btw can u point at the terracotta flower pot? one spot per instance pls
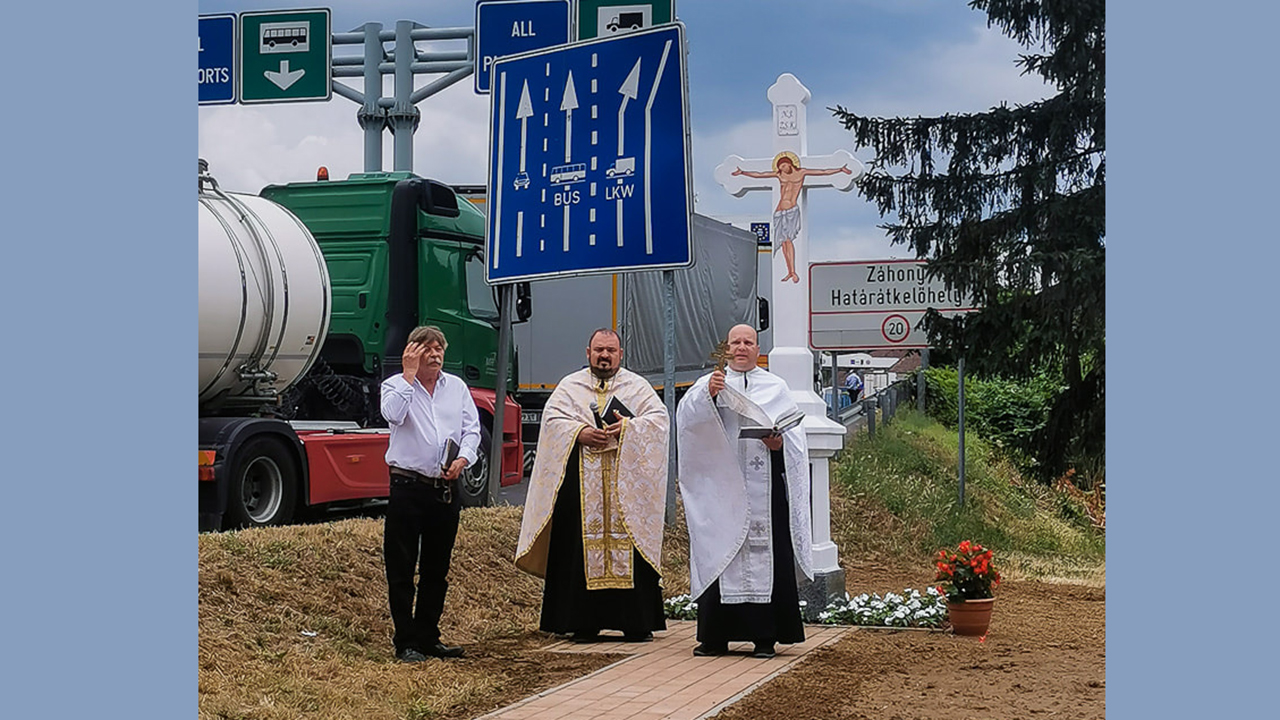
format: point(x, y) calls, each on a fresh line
point(970, 617)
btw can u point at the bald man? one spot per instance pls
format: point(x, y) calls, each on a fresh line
point(747, 504)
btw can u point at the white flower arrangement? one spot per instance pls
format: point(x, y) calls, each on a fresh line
point(912, 608)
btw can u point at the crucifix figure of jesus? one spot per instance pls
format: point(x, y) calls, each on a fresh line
point(786, 216)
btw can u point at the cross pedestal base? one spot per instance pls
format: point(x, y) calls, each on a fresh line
point(825, 588)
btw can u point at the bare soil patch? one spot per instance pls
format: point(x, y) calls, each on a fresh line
point(1044, 656)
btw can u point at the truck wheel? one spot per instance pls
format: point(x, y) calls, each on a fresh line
point(473, 484)
point(263, 484)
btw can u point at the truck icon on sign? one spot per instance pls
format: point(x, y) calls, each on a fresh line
point(622, 167)
point(626, 21)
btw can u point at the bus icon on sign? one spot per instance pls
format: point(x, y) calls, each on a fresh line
point(284, 37)
point(575, 172)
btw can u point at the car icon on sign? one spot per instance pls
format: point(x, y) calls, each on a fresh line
point(522, 181)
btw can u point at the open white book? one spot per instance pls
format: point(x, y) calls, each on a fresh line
point(781, 425)
point(756, 422)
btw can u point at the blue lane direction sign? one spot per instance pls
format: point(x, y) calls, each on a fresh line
point(217, 59)
point(508, 27)
point(589, 169)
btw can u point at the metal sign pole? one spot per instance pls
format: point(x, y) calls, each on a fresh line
point(500, 393)
point(961, 423)
point(669, 384)
point(921, 387)
point(835, 389)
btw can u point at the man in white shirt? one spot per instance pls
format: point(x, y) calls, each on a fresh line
point(430, 413)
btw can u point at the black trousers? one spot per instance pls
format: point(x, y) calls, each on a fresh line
point(567, 605)
point(420, 530)
point(776, 621)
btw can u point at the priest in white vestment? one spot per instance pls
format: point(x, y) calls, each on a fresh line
point(746, 501)
point(592, 524)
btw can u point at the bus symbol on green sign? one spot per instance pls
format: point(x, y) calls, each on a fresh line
point(284, 37)
point(285, 56)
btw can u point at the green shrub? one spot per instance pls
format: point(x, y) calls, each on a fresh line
point(1010, 414)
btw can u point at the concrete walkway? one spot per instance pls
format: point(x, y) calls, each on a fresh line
point(662, 679)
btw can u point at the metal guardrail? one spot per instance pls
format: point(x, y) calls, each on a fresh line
point(864, 410)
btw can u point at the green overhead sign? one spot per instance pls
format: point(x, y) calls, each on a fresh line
point(607, 18)
point(285, 56)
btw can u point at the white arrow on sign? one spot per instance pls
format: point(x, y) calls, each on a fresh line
point(630, 90)
point(648, 144)
point(523, 113)
point(284, 78)
point(568, 104)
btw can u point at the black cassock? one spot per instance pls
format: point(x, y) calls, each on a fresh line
point(777, 621)
point(567, 605)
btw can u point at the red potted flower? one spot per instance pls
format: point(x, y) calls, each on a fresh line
point(969, 579)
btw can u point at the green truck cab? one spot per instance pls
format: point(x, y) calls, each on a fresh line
point(401, 251)
point(368, 233)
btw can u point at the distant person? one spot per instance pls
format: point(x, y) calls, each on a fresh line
point(786, 217)
point(747, 505)
point(592, 524)
point(853, 385)
point(434, 436)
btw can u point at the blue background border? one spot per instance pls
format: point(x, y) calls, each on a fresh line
point(99, 533)
point(1191, 271)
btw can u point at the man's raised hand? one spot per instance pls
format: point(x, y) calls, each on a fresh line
point(411, 359)
point(716, 383)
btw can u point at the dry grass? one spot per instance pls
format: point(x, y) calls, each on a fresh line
point(293, 623)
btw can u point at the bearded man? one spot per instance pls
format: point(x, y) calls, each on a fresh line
point(593, 516)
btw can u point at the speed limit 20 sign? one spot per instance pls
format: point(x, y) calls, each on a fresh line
point(896, 328)
point(872, 304)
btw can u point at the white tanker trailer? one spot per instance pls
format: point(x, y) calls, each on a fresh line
point(264, 299)
point(264, 312)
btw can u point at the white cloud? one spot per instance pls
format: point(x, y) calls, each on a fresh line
point(971, 76)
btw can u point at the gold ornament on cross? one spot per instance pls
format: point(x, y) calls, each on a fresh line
point(720, 355)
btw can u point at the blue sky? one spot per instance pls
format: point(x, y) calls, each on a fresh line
point(876, 57)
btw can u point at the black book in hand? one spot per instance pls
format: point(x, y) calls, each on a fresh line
point(615, 406)
point(607, 417)
point(450, 454)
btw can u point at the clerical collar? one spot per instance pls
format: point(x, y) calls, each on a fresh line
point(735, 373)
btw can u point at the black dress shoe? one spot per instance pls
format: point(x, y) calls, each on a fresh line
point(583, 636)
point(410, 655)
point(763, 650)
point(637, 637)
point(709, 650)
point(441, 650)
